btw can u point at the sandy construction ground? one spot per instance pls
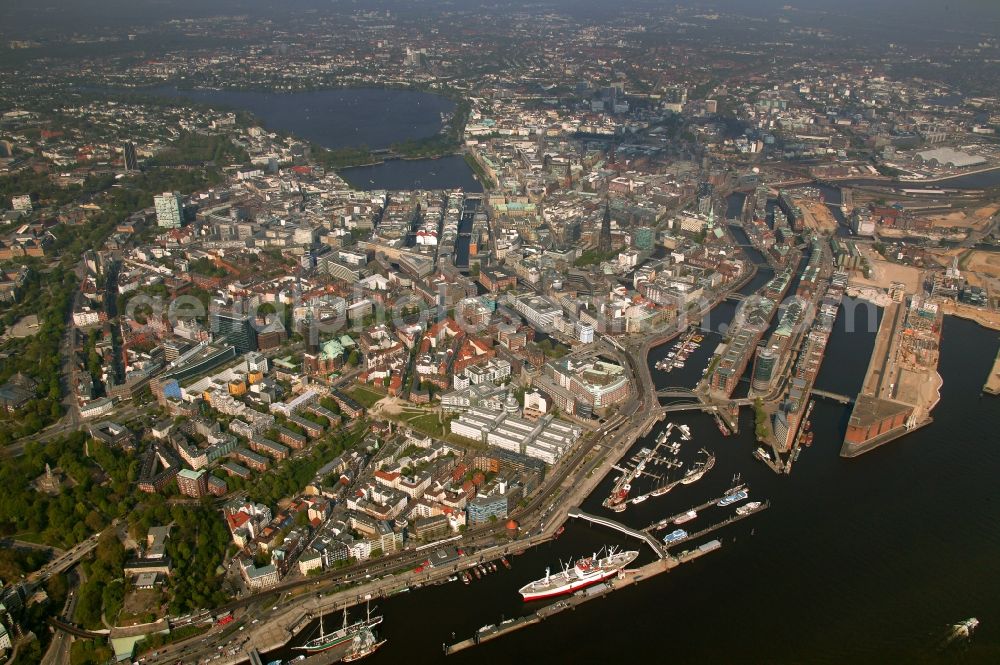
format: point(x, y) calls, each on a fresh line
point(987, 263)
point(921, 388)
point(956, 234)
point(976, 219)
point(817, 216)
point(884, 273)
point(944, 256)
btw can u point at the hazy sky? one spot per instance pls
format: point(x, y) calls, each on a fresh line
point(26, 16)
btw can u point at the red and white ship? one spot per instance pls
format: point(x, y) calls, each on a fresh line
point(586, 572)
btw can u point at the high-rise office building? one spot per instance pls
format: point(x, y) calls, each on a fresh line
point(169, 210)
point(236, 328)
point(129, 157)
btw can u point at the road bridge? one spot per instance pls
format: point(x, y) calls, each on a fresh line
point(618, 526)
point(689, 406)
point(64, 561)
point(676, 391)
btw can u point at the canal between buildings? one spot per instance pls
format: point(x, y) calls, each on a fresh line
point(861, 560)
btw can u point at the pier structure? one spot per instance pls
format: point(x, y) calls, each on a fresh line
point(664, 563)
point(645, 536)
point(891, 402)
point(718, 525)
point(667, 521)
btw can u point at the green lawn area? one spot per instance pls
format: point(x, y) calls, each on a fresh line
point(427, 423)
point(365, 395)
point(30, 537)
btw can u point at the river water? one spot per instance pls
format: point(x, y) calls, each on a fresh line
point(862, 560)
point(981, 180)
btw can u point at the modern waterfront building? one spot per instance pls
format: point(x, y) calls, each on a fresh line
point(481, 509)
point(763, 371)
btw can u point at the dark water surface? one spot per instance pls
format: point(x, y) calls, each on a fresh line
point(372, 117)
point(862, 560)
point(448, 172)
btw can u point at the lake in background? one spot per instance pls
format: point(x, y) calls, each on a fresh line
point(860, 560)
point(342, 118)
point(351, 117)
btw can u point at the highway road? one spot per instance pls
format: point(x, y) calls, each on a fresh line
point(68, 559)
point(58, 652)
